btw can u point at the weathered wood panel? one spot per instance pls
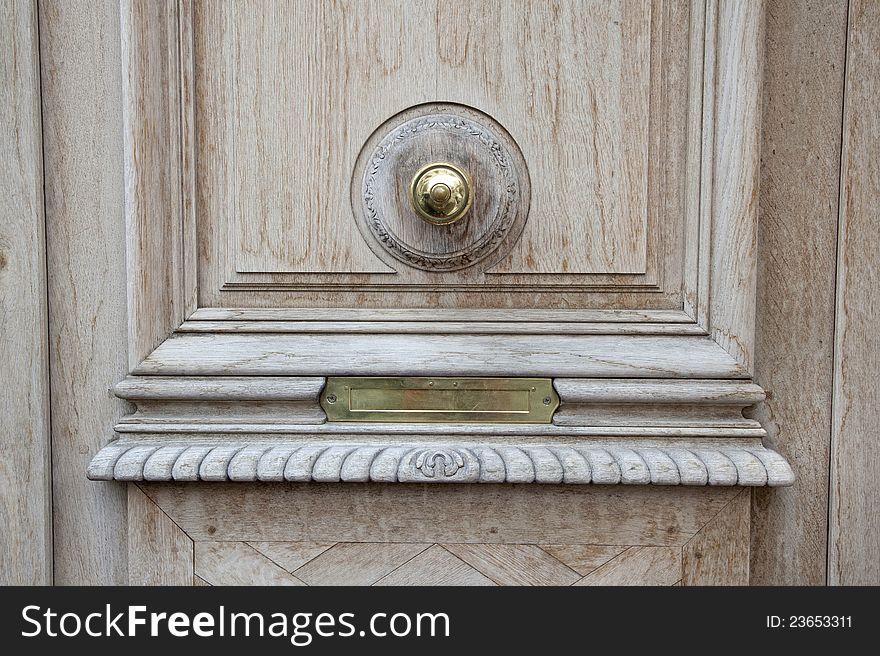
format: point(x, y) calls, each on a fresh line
point(398, 548)
point(236, 563)
point(515, 564)
point(435, 566)
point(584, 558)
point(25, 499)
point(580, 125)
point(638, 566)
point(361, 563)
point(800, 165)
point(159, 553)
point(732, 189)
point(405, 564)
point(719, 553)
point(616, 133)
point(799, 426)
point(82, 98)
point(494, 514)
point(159, 242)
point(854, 531)
point(637, 356)
point(291, 555)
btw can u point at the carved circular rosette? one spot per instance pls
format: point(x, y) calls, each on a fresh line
point(466, 138)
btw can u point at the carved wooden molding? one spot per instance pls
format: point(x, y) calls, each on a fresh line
point(502, 187)
point(224, 382)
point(269, 428)
point(590, 407)
point(602, 463)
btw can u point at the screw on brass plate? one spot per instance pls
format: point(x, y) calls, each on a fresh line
point(547, 400)
point(331, 398)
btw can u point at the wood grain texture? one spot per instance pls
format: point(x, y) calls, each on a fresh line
point(82, 139)
point(397, 315)
point(638, 566)
point(621, 435)
point(854, 517)
point(159, 236)
point(442, 327)
point(25, 497)
point(291, 555)
point(700, 112)
point(390, 564)
point(222, 562)
point(719, 553)
point(715, 552)
point(589, 130)
point(83, 425)
point(733, 187)
point(310, 354)
point(708, 559)
point(797, 236)
point(691, 403)
point(584, 558)
point(215, 400)
point(236, 563)
point(594, 117)
point(219, 388)
point(501, 514)
point(435, 566)
point(596, 120)
point(357, 563)
point(696, 392)
point(289, 404)
point(515, 564)
point(159, 552)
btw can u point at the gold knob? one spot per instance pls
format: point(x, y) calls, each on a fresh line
point(441, 193)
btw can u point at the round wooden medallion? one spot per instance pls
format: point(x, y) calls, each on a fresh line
point(401, 149)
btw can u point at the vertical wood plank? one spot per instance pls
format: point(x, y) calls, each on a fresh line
point(82, 121)
point(25, 500)
point(734, 180)
point(719, 553)
point(797, 231)
point(159, 553)
point(854, 518)
point(160, 294)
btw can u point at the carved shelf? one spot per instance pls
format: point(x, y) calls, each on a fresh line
point(272, 428)
point(673, 462)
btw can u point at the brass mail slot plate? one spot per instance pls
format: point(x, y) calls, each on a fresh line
point(440, 400)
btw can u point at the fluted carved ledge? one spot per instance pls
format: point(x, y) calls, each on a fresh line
point(607, 431)
point(748, 464)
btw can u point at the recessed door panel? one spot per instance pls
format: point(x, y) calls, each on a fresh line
point(593, 96)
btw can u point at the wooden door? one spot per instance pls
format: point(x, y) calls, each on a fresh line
point(608, 152)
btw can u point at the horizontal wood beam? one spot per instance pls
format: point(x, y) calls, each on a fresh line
point(311, 354)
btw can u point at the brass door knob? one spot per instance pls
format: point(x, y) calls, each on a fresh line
point(441, 193)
